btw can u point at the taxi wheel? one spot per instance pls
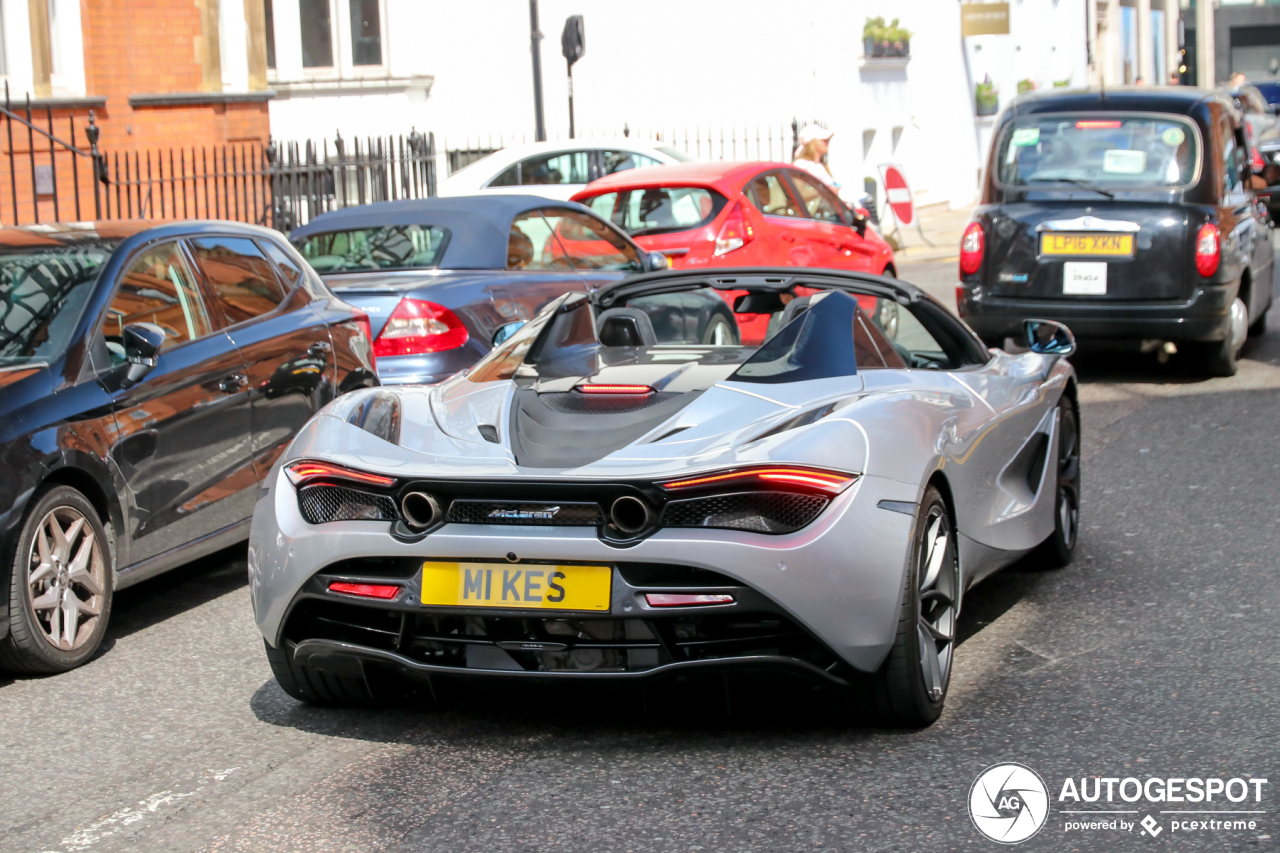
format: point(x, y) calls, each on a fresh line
point(315, 686)
point(1220, 358)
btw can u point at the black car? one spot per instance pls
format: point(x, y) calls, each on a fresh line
point(150, 375)
point(1128, 215)
point(444, 279)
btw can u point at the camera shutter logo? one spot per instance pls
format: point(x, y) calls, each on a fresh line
point(1008, 803)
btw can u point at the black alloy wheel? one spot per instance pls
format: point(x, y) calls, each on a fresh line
point(1059, 549)
point(910, 688)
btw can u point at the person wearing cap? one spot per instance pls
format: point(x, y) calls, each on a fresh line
point(811, 147)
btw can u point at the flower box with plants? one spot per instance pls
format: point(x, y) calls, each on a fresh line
point(881, 39)
point(987, 97)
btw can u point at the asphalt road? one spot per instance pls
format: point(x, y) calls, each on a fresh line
point(1155, 654)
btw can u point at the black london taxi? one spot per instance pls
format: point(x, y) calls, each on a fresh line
point(1127, 214)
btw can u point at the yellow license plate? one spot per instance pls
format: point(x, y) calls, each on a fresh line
point(1088, 245)
point(524, 587)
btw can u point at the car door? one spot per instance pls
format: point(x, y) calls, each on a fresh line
point(783, 238)
point(557, 175)
point(285, 345)
point(850, 250)
point(1252, 227)
point(183, 434)
point(824, 229)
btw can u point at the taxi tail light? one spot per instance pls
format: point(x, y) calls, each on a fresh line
point(307, 472)
point(971, 248)
point(667, 599)
point(779, 478)
point(1097, 124)
point(1208, 251)
point(362, 322)
point(418, 326)
point(366, 590)
point(735, 233)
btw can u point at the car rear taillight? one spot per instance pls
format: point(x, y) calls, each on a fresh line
point(1208, 253)
point(418, 326)
point(307, 471)
point(971, 246)
point(362, 320)
point(366, 590)
point(600, 388)
point(804, 479)
point(735, 233)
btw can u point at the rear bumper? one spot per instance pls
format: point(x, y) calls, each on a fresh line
point(425, 369)
point(1205, 317)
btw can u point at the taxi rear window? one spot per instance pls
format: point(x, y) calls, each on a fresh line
point(1107, 151)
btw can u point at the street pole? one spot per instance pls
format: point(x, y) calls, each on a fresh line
point(540, 133)
point(571, 100)
point(1205, 60)
point(573, 43)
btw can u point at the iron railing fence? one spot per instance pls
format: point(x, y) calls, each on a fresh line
point(51, 177)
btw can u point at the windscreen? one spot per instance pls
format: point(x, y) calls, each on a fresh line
point(659, 210)
point(390, 247)
point(1106, 151)
point(42, 294)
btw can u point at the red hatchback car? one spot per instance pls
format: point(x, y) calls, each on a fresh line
point(738, 215)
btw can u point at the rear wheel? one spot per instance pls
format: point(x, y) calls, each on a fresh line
point(315, 686)
point(911, 686)
point(1058, 550)
point(1220, 358)
point(59, 586)
point(719, 333)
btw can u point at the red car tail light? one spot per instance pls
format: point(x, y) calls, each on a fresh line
point(306, 471)
point(804, 479)
point(665, 599)
point(366, 590)
point(362, 320)
point(418, 326)
point(1208, 252)
point(971, 248)
point(735, 233)
point(615, 389)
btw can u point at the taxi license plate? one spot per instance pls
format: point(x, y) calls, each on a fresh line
point(523, 587)
point(1087, 245)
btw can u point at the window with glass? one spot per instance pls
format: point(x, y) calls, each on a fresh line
point(659, 210)
point(389, 247)
point(772, 197)
point(158, 287)
point(555, 239)
point(569, 167)
point(621, 161)
point(239, 277)
point(817, 199)
point(317, 33)
point(42, 292)
point(366, 32)
point(1230, 160)
point(270, 15)
point(1104, 150)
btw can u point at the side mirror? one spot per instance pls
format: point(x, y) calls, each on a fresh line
point(142, 342)
point(655, 262)
point(1046, 337)
point(505, 332)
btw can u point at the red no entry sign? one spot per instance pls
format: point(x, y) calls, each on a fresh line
point(899, 195)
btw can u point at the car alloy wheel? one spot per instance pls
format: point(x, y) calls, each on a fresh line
point(1068, 499)
point(1239, 325)
point(936, 603)
point(67, 578)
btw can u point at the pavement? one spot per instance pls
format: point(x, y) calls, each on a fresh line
point(942, 226)
point(1154, 654)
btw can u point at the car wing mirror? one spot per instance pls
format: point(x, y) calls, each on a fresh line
point(142, 343)
point(655, 262)
point(1046, 337)
point(505, 332)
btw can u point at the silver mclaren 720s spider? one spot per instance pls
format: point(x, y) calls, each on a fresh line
point(606, 495)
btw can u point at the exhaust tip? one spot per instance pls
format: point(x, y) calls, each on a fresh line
point(630, 515)
point(420, 510)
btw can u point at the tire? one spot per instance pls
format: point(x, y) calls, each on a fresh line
point(1058, 550)
point(59, 594)
point(1221, 358)
point(720, 331)
point(910, 688)
point(314, 686)
point(1258, 327)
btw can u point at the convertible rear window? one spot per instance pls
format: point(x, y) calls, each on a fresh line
point(659, 210)
point(1103, 150)
point(42, 293)
point(389, 247)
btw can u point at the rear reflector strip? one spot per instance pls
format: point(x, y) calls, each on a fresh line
point(668, 599)
point(366, 590)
